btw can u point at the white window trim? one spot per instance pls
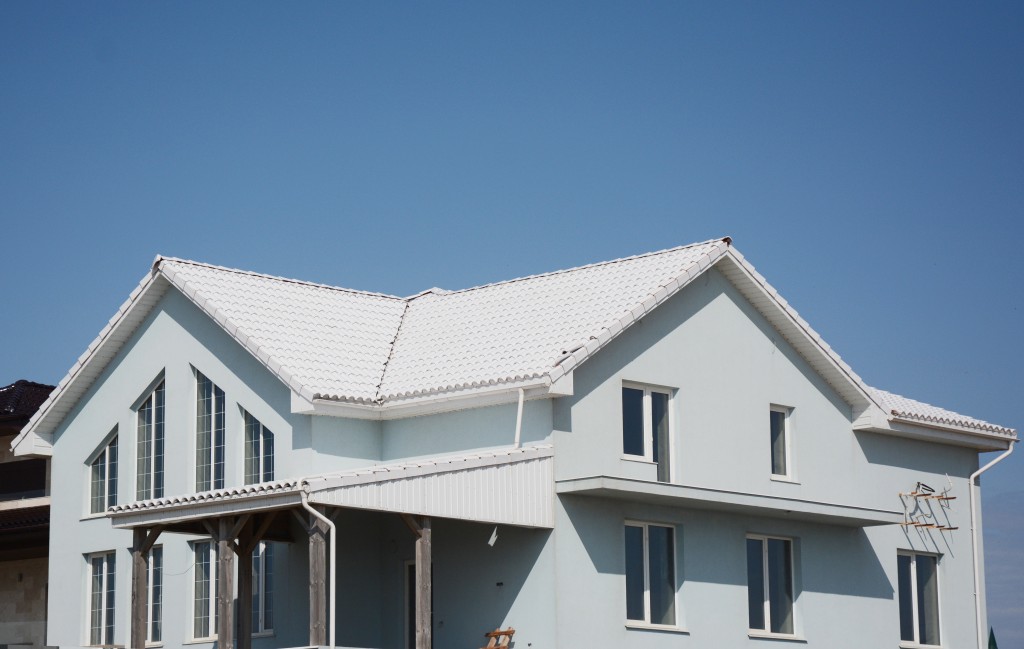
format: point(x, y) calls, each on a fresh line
point(913, 644)
point(214, 578)
point(646, 622)
point(103, 449)
point(648, 455)
point(766, 632)
point(787, 431)
point(105, 556)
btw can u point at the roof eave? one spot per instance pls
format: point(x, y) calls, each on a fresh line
point(982, 441)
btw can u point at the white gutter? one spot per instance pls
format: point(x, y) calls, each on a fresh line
point(974, 542)
point(519, 417)
point(334, 545)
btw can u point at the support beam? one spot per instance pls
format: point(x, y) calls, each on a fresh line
point(424, 583)
point(226, 587)
point(317, 578)
point(142, 542)
point(244, 551)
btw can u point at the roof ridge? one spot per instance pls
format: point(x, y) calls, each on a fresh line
point(727, 240)
point(289, 280)
point(391, 352)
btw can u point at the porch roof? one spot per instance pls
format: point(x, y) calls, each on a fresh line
point(513, 486)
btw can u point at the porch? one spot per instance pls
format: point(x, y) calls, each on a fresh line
point(431, 553)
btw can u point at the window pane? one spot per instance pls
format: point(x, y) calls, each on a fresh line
point(201, 604)
point(755, 583)
point(218, 438)
point(99, 481)
point(906, 598)
point(204, 415)
point(778, 428)
point(144, 452)
point(268, 455)
point(112, 473)
point(661, 574)
point(659, 425)
point(109, 612)
point(252, 442)
point(157, 559)
point(927, 599)
point(780, 585)
point(632, 421)
point(634, 573)
point(158, 443)
point(268, 587)
point(96, 602)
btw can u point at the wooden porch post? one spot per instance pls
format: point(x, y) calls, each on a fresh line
point(424, 583)
point(244, 552)
point(142, 542)
point(226, 587)
point(317, 578)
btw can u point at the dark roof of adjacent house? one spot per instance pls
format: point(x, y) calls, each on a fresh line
point(21, 399)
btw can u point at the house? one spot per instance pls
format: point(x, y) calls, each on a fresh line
point(650, 452)
point(24, 522)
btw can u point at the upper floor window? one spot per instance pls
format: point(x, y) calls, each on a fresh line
point(646, 430)
point(259, 451)
point(770, 584)
point(779, 426)
point(149, 479)
point(103, 478)
point(101, 598)
point(919, 597)
point(209, 435)
point(650, 574)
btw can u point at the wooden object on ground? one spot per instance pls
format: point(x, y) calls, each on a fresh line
point(499, 638)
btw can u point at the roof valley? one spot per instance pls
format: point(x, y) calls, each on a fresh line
point(377, 398)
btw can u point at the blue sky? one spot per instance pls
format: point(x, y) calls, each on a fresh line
point(867, 159)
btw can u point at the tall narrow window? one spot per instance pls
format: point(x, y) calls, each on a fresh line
point(263, 588)
point(650, 574)
point(149, 481)
point(259, 451)
point(155, 593)
point(204, 590)
point(779, 426)
point(770, 584)
point(103, 478)
point(209, 435)
point(101, 598)
point(645, 426)
point(919, 597)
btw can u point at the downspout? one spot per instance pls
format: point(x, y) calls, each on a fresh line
point(519, 417)
point(334, 546)
point(974, 542)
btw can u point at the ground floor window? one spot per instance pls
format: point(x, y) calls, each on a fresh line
point(155, 593)
point(919, 597)
point(770, 584)
point(102, 570)
point(650, 574)
point(263, 588)
point(204, 590)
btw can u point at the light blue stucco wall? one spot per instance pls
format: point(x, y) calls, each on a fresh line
point(727, 367)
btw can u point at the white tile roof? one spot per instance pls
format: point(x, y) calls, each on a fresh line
point(373, 349)
point(917, 411)
point(218, 495)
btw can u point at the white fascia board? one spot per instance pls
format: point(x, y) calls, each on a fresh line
point(428, 404)
point(32, 444)
point(954, 436)
point(194, 511)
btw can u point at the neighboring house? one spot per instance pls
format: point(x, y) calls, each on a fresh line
point(24, 522)
point(650, 452)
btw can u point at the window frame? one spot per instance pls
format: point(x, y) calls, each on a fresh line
point(109, 495)
point(108, 598)
point(260, 599)
point(676, 608)
point(154, 614)
point(915, 604)
point(217, 434)
point(264, 434)
point(648, 425)
point(154, 469)
point(787, 446)
point(766, 586)
point(211, 605)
